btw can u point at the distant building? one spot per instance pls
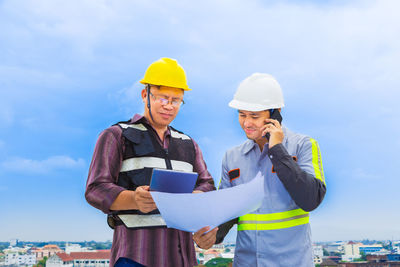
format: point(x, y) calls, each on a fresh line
point(370, 249)
point(218, 246)
point(76, 248)
point(336, 247)
point(393, 257)
point(60, 260)
point(228, 255)
point(351, 251)
point(13, 242)
point(369, 264)
point(100, 258)
point(211, 254)
point(19, 259)
point(376, 258)
point(46, 251)
point(317, 259)
point(329, 263)
point(318, 250)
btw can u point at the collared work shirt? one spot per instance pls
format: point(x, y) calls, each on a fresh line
point(150, 247)
point(300, 184)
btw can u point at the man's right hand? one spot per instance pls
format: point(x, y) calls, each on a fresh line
point(143, 199)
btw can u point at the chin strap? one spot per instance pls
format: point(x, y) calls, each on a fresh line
point(148, 101)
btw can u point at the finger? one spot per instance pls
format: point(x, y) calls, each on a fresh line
point(147, 208)
point(266, 130)
point(145, 187)
point(210, 236)
point(206, 240)
point(202, 231)
point(208, 243)
point(143, 193)
point(273, 122)
point(145, 197)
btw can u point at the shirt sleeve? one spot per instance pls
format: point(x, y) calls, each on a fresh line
point(205, 181)
point(224, 228)
point(304, 179)
point(101, 187)
point(224, 182)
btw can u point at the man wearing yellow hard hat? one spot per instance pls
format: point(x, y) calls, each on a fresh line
point(119, 175)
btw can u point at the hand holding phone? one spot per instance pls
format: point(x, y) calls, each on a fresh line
point(275, 115)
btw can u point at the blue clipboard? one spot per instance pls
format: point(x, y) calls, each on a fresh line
point(170, 181)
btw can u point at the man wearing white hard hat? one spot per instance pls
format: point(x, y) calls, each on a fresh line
point(278, 233)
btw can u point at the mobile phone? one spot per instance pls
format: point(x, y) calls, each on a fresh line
point(276, 115)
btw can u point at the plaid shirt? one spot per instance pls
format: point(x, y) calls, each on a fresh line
point(152, 246)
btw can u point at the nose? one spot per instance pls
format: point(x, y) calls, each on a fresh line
point(168, 106)
point(246, 122)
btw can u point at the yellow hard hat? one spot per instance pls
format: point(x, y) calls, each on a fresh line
point(166, 72)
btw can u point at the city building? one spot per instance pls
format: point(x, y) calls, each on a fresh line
point(393, 257)
point(46, 251)
point(211, 254)
point(100, 258)
point(15, 258)
point(336, 247)
point(370, 249)
point(329, 263)
point(60, 260)
point(317, 259)
point(318, 250)
point(351, 251)
point(76, 248)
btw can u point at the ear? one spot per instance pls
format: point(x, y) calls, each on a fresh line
point(144, 95)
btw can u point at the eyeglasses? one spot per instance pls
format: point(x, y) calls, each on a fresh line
point(175, 102)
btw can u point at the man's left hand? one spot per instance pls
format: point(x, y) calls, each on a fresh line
point(273, 127)
point(205, 240)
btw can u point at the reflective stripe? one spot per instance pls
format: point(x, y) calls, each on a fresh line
point(134, 126)
point(176, 134)
point(317, 161)
point(154, 162)
point(181, 166)
point(142, 162)
point(135, 220)
point(273, 221)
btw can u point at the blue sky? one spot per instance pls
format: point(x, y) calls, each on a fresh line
point(69, 69)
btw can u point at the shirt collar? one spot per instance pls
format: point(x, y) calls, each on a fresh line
point(248, 145)
point(142, 119)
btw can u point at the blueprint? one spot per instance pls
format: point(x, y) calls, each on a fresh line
point(190, 212)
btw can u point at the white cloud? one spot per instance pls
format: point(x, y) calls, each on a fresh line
point(363, 174)
point(23, 165)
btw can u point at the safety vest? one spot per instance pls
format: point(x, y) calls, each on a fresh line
point(143, 153)
point(273, 221)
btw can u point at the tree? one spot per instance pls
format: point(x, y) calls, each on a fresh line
point(326, 253)
point(41, 263)
point(218, 262)
point(363, 256)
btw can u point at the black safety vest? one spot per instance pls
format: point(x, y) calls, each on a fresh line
point(142, 153)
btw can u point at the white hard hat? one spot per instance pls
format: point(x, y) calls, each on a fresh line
point(258, 92)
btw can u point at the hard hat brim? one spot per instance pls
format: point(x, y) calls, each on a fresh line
point(169, 85)
point(252, 106)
